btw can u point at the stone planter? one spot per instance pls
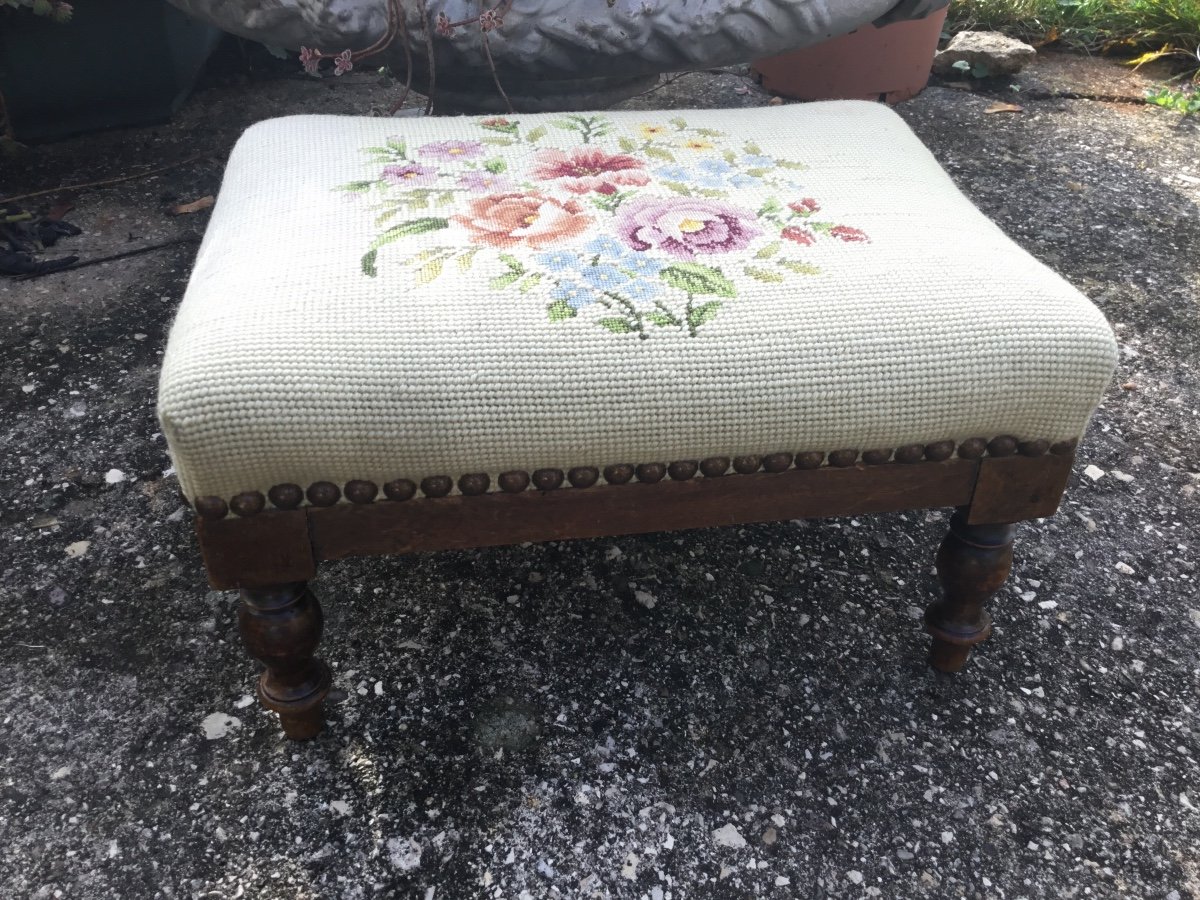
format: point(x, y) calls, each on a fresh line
point(891, 63)
point(116, 63)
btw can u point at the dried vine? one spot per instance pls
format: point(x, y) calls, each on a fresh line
point(489, 19)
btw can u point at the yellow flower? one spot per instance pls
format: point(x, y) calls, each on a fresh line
point(650, 132)
point(698, 144)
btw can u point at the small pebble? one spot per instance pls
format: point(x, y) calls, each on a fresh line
point(855, 876)
point(114, 476)
point(1094, 472)
point(1123, 568)
point(728, 836)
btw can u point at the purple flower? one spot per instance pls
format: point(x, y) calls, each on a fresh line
point(479, 181)
point(448, 151)
point(684, 227)
point(409, 175)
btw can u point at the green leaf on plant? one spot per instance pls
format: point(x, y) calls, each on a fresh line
point(397, 146)
point(659, 153)
point(617, 326)
point(429, 271)
point(789, 164)
point(408, 229)
point(627, 144)
point(560, 310)
point(730, 156)
point(679, 123)
point(500, 282)
point(499, 141)
point(514, 264)
point(565, 124)
point(529, 283)
point(800, 268)
point(757, 173)
point(496, 166)
point(752, 149)
point(770, 207)
point(702, 314)
point(678, 187)
point(661, 319)
point(768, 251)
point(465, 259)
point(765, 275)
point(536, 134)
point(694, 278)
point(368, 263)
point(709, 132)
point(358, 187)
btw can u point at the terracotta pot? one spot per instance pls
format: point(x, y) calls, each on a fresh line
point(891, 63)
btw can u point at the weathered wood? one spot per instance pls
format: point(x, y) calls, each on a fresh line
point(281, 627)
point(1014, 488)
point(972, 565)
point(634, 508)
point(270, 548)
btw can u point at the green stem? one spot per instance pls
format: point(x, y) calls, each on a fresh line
point(632, 311)
point(688, 312)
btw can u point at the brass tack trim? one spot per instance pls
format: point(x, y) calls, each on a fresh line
point(583, 476)
point(211, 507)
point(746, 465)
point(910, 453)
point(972, 448)
point(876, 457)
point(248, 503)
point(548, 479)
point(360, 491)
point(777, 462)
point(619, 474)
point(474, 484)
point(651, 473)
point(286, 496)
point(939, 451)
point(399, 490)
point(513, 482)
point(1005, 445)
point(436, 485)
point(683, 469)
point(811, 459)
point(843, 458)
point(714, 466)
point(1033, 448)
point(323, 493)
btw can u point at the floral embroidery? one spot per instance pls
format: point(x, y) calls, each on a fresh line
point(632, 230)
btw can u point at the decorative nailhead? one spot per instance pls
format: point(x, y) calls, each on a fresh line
point(972, 448)
point(1063, 448)
point(683, 469)
point(249, 503)
point(1002, 446)
point(810, 459)
point(714, 466)
point(583, 476)
point(437, 485)
point(286, 496)
point(910, 453)
point(619, 474)
point(746, 465)
point(939, 451)
point(513, 482)
point(360, 491)
point(211, 507)
point(651, 473)
point(876, 457)
point(1033, 448)
point(843, 458)
point(777, 462)
point(474, 484)
point(547, 479)
point(399, 490)
point(323, 493)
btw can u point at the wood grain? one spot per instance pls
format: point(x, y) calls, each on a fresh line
point(1014, 488)
point(270, 548)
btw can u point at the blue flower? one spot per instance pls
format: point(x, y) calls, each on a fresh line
point(757, 161)
point(641, 290)
point(576, 295)
point(674, 173)
point(606, 245)
point(714, 166)
point(604, 277)
point(641, 264)
point(558, 261)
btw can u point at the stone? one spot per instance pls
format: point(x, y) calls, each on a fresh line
point(998, 53)
point(728, 836)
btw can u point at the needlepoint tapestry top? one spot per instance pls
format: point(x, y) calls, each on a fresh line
point(636, 229)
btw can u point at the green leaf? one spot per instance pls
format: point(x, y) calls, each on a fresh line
point(709, 132)
point(514, 264)
point(617, 326)
point(495, 166)
point(678, 187)
point(500, 282)
point(529, 283)
point(757, 173)
point(771, 206)
point(752, 149)
point(565, 124)
point(408, 229)
point(397, 146)
point(429, 272)
point(465, 259)
point(499, 141)
point(536, 134)
point(702, 314)
point(659, 153)
point(763, 275)
point(694, 278)
point(711, 192)
point(627, 144)
point(388, 152)
point(357, 187)
point(445, 197)
point(560, 310)
point(679, 123)
point(789, 164)
point(662, 319)
point(368, 263)
point(768, 251)
point(388, 214)
point(800, 268)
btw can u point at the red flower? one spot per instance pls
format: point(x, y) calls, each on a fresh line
point(804, 207)
point(512, 220)
point(586, 169)
point(801, 236)
point(851, 235)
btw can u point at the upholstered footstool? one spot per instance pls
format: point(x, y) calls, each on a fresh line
point(411, 335)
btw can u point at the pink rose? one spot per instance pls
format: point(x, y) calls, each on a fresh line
point(685, 227)
point(584, 170)
point(512, 220)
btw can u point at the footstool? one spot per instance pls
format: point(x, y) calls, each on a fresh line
point(412, 335)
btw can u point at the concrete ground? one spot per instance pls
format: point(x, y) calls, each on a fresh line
point(729, 713)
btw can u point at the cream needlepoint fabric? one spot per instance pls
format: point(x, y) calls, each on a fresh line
point(379, 299)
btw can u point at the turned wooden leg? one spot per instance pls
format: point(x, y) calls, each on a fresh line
point(972, 564)
point(281, 626)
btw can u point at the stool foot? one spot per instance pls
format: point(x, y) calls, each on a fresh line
point(972, 564)
point(281, 626)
